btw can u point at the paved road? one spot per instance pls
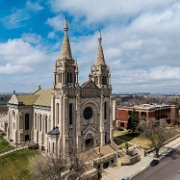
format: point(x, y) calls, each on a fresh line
point(167, 169)
point(117, 173)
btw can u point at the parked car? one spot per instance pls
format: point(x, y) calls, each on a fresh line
point(126, 178)
point(154, 162)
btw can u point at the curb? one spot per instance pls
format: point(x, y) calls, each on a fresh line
point(160, 158)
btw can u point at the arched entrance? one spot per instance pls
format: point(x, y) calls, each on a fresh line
point(89, 141)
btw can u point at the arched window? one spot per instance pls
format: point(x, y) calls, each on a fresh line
point(57, 113)
point(104, 80)
point(69, 77)
point(13, 116)
point(53, 147)
point(70, 113)
point(26, 121)
point(45, 123)
point(105, 110)
point(40, 122)
point(105, 138)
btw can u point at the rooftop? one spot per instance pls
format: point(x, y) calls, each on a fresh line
point(54, 131)
point(41, 97)
point(146, 106)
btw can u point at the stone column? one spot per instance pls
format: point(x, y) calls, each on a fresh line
point(101, 121)
point(78, 124)
point(63, 135)
point(110, 119)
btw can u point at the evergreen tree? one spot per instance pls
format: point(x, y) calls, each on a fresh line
point(133, 121)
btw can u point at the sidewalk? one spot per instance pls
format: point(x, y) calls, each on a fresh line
point(117, 173)
point(13, 150)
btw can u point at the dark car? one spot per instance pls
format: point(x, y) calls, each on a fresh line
point(126, 178)
point(154, 162)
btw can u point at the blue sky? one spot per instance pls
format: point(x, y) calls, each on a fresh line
point(141, 42)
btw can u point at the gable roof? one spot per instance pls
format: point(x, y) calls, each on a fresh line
point(27, 99)
point(41, 97)
point(89, 85)
point(13, 99)
point(44, 97)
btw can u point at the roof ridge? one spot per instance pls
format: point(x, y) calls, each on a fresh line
point(39, 88)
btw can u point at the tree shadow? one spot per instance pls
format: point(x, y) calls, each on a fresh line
point(124, 138)
point(173, 154)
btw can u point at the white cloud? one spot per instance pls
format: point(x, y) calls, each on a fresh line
point(157, 75)
point(31, 38)
point(135, 44)
point(57, 22)
point(34, 6)
point(104, 10)
point(23, 65)
point(140, 42)
point(11, 69)
point(143, 54)
point(16, 55)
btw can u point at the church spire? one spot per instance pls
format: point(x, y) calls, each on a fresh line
point(100, 55)
point(66, 49)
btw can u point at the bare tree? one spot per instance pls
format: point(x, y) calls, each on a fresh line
point(47, 167)
point(157, 133)
point(78, 166)
point(50, 167)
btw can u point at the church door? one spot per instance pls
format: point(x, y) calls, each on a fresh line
point(89, 142)
point(26, 137)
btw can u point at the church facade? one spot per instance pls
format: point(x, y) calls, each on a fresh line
point(69, 117)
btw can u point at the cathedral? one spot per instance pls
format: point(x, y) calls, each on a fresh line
point(69, 117)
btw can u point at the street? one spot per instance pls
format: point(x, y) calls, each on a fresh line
point(167, 169)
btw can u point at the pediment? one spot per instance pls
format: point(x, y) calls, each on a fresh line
point(13, 99)
point(89, 85)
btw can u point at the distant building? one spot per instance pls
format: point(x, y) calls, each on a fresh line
point(170, 113)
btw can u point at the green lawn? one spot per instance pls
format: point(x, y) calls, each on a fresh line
point(15, 166)
point(4, 145)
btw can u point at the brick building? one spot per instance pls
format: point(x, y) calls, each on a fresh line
point(146, 112)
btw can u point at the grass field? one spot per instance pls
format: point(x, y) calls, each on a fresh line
point(4, 145)
point(15, 166)
point(120, 137)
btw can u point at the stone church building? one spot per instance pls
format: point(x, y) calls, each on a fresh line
point(69, 117)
